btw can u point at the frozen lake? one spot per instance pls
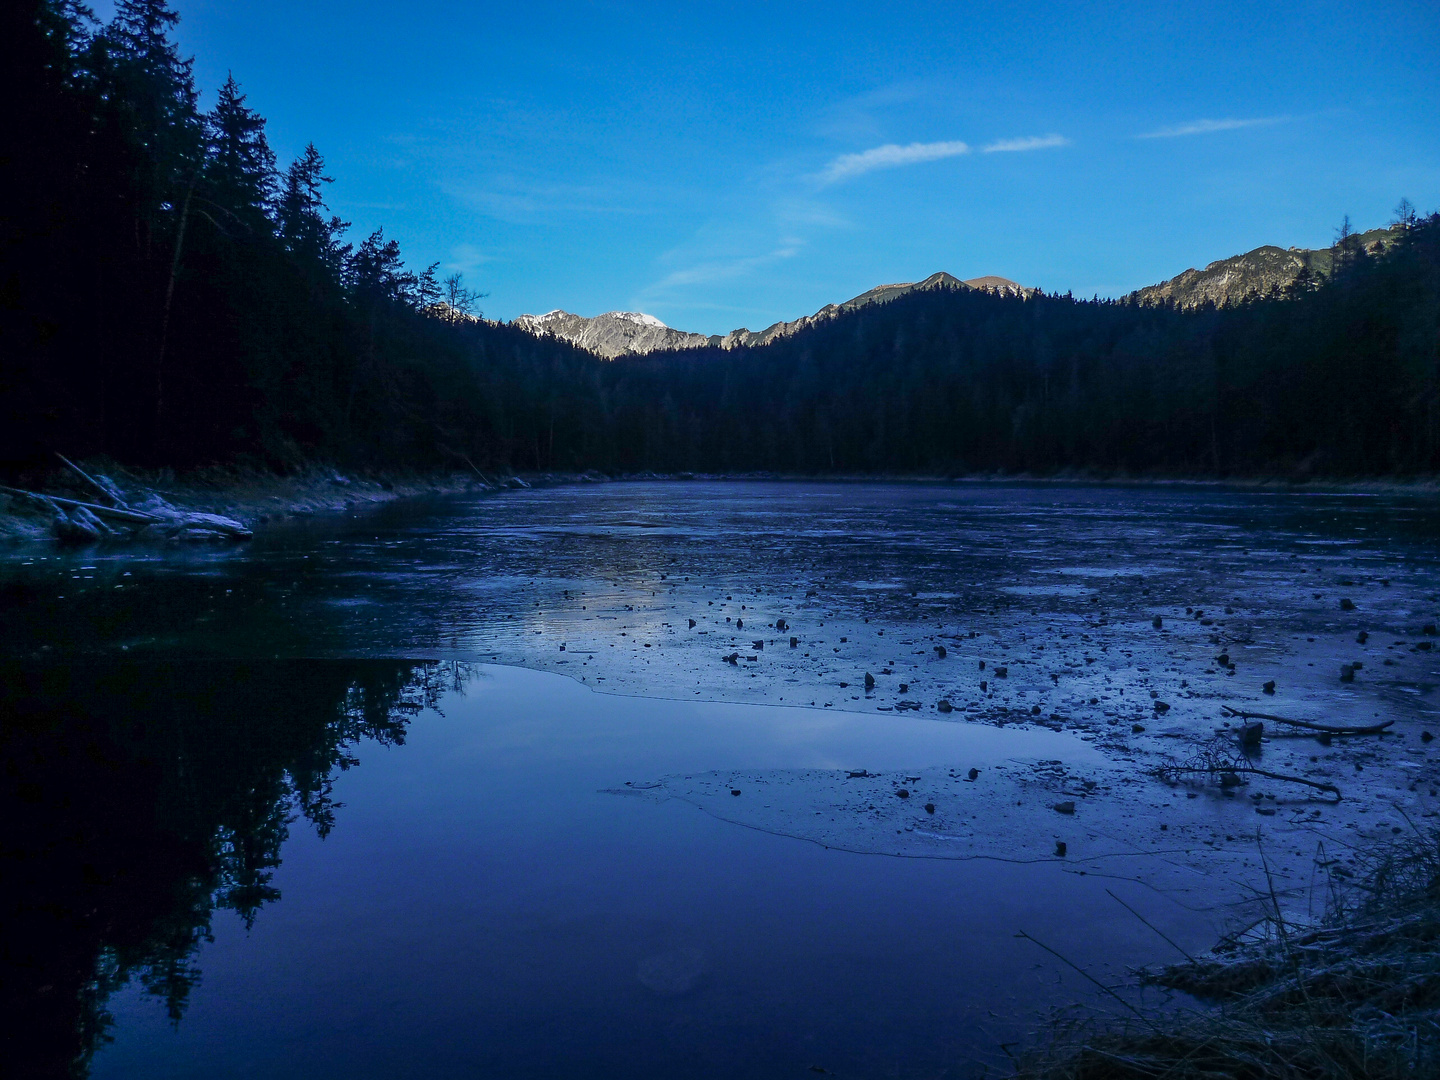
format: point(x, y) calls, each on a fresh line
point(493, 901)
point(525, 874)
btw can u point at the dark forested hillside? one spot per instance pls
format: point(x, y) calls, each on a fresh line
point(169, 295)
point(1339, 378)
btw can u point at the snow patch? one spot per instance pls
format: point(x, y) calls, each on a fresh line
point(637, 317)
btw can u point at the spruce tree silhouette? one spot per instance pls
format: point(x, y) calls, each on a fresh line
point(167, 299)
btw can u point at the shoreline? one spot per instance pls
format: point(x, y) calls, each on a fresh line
point(1426, 486)
point(256, 498)
point(1351, 993)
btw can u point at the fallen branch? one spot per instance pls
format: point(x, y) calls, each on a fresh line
point(1177, 769)
point(1329, 729)
point(134, 517)
point(1215, 764)
point(107, 492)
point(177, 523)
point(466, 458)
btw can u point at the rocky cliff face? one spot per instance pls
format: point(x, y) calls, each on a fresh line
point(615, 333)
point(626, 333)
point(1262, 272)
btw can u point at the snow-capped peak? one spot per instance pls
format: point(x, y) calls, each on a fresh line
point(639, 318)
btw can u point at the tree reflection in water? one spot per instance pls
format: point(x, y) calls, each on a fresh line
point(136, 799)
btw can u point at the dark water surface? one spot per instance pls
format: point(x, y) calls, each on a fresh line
point(337, 868)
point(470, 576)
point(266, 813)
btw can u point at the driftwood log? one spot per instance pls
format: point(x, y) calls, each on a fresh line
point(102, 485)
point(1329, 729)
point(132, 517)
point(85, 522)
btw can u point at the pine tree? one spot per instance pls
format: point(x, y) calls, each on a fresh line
point(240, 166)
point(44, 124)
point(155, 91)
point(376, 273)
point(44, 118)
point(311, 237)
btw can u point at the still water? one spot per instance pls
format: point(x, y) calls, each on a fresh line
point(270, 812)
point(333, 868)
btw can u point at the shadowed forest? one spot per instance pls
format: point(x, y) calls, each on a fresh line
point(171, 295)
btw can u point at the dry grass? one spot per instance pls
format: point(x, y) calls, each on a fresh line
point(1355, 996)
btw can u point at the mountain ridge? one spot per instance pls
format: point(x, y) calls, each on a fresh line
point(614, 334)
point(1264, 271)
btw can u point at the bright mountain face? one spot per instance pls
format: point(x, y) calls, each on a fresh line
point(1263, 272)
point(629, 333)
point(1266, 271)
point(615, 333)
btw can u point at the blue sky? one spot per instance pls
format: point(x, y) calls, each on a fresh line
point(722, 165)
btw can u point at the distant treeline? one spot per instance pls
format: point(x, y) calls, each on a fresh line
point(1335, 378)
point(168, 295)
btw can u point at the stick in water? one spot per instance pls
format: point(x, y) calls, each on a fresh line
point(1332, 729)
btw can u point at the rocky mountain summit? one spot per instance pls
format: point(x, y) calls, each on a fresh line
point(879, 295)
point(1266, 271)
point(1257, 273)
point(630, 333)
point(615, 333)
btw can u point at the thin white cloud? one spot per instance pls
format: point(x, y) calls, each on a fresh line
point(1204, 127)
point(467, 258)
point(798, 215)
point(523, 201)
point(864, 115)
point(716, 270)
point(1034, 142)
point(889, 156)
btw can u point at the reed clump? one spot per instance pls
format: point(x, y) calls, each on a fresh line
point(1355, 995)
